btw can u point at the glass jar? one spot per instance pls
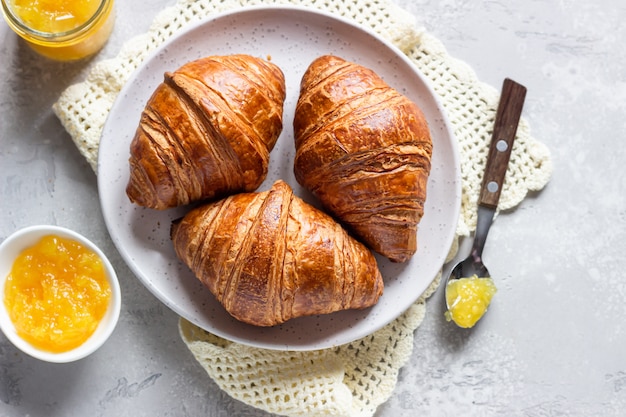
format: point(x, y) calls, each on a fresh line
point(61, 30)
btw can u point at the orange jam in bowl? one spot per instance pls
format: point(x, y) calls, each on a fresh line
point(61, 30)
point(59, 294)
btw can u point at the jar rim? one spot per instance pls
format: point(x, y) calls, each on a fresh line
point(20, 26)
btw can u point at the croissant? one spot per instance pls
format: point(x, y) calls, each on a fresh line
point(364, 150)
point(206, 131)
point(269, 257)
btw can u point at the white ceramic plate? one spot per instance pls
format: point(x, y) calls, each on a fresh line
point(291, 37)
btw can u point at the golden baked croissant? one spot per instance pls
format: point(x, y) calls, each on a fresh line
point(269, 257)
point(207, 131)
point(364, 150)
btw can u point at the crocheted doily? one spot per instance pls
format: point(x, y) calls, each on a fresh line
point(354, 379)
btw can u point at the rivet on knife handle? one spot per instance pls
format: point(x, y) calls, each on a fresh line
point(504, 131)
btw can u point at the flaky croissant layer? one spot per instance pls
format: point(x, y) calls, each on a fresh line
point(269, 257)
point(364, 150)
point(206, 131)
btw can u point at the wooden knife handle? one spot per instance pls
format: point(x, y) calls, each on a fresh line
point(504, 131)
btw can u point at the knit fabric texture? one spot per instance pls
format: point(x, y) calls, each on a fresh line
point(353, 379)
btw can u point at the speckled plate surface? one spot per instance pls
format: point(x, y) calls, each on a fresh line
point(291, 37)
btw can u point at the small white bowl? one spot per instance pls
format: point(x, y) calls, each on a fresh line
point(10, 249)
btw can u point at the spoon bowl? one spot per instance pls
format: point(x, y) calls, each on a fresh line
point(473, 264)
point(469, 287)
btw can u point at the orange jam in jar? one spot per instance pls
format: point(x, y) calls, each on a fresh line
point(61, 30)
point(56, 294)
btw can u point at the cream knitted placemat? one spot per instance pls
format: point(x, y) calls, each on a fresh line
point(354, 379)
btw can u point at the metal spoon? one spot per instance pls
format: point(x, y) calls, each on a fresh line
point(505, 129)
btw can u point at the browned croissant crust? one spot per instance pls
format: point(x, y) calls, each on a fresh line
point(364, 150)
point(207, 131)
point(269, 257)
